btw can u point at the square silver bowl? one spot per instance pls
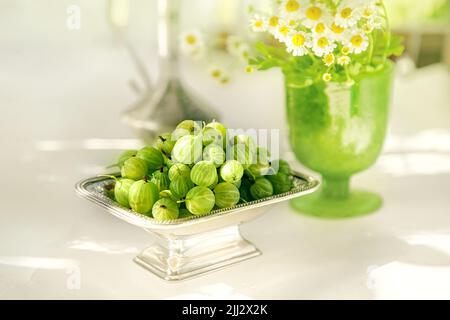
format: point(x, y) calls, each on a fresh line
point(192, 246)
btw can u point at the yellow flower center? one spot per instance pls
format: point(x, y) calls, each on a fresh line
point(329, 58)
point(346, 13)
point(368, 12)
point(357, 41)
point(292, 23)
point(336, 29)
point(320, 28)
point(314, 13)
point(292, 6)
point(258, 23)
point(298, 40)
point(323, 42)
point(191, 39)
point(345, 50)
point(273, 21)
point(249, 69)
point(284, 30)
point(326, 77)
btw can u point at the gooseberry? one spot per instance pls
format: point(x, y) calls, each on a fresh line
point(188, 149)
point(262, 188)
point(134, 168)
point(200, 200)
point(179, 170)
point(180, 187)
point(161, 180)
point(227, 195)
point(221, 128)
point(214, 153)
point(165, 209)
point(142, 196)
point(281, 182)
point(124, 156)
point(152, 157)
point(203, 174)
point(231, 171)
point(121, 191)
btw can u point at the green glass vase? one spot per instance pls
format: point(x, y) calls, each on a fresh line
point(338, 130)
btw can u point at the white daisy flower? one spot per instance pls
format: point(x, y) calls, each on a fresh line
point(347, 14)
point(297, 44)
point(357, 41)
point(323, 45)
point(321, 28)
point(337, 32)
point(376, 22)
point(329, 59)
point(326, 77)
point(313, 14)
point(272, 23)
point(290, 9)
point(368, 11)
point(191, 43)
point(282, 31)
point(258, 23)
point(343, 60)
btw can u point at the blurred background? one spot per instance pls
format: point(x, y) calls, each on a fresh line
point(70, 69)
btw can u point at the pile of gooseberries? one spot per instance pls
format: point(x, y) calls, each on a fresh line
point(196, 169)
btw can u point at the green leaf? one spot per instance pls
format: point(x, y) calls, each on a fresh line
point(396, 47)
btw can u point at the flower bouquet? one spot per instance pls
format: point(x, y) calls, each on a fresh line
point(334, 57)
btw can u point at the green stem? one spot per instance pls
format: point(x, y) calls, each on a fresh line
point(371, 48)
point(388, 31)
point(108, 176)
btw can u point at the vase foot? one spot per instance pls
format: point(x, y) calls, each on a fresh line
point(357, 203)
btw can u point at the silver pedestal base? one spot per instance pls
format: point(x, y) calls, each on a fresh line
point(179, 258)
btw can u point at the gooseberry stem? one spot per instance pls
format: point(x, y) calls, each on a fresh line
point(181, 201)
point(108, 176)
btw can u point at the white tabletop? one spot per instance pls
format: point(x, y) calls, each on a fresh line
point(60, 122)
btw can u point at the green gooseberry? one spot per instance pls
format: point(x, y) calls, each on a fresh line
point(152, 157)
point(237, 183)
point(124, 156)
point(165, 209)
point(283, 166)
point(200, 200)
point(247, 141)
point(244, 190)
point(168, 194)
point(243, 154)
point(231, 171)
point(211, 135)
point(179, 169)
point(161, 180)
point(188, 149)
point(180, 187)
point(216, 181)
point(122, 190)
point(221, 128)
point(203, 174)
point(227, 195)
point(214, 153)
point(281, 182)
point(164, 143)
point(186, 127)
point(134, 168)
point(142, 196)
point(258, 170)
point(262, 188)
